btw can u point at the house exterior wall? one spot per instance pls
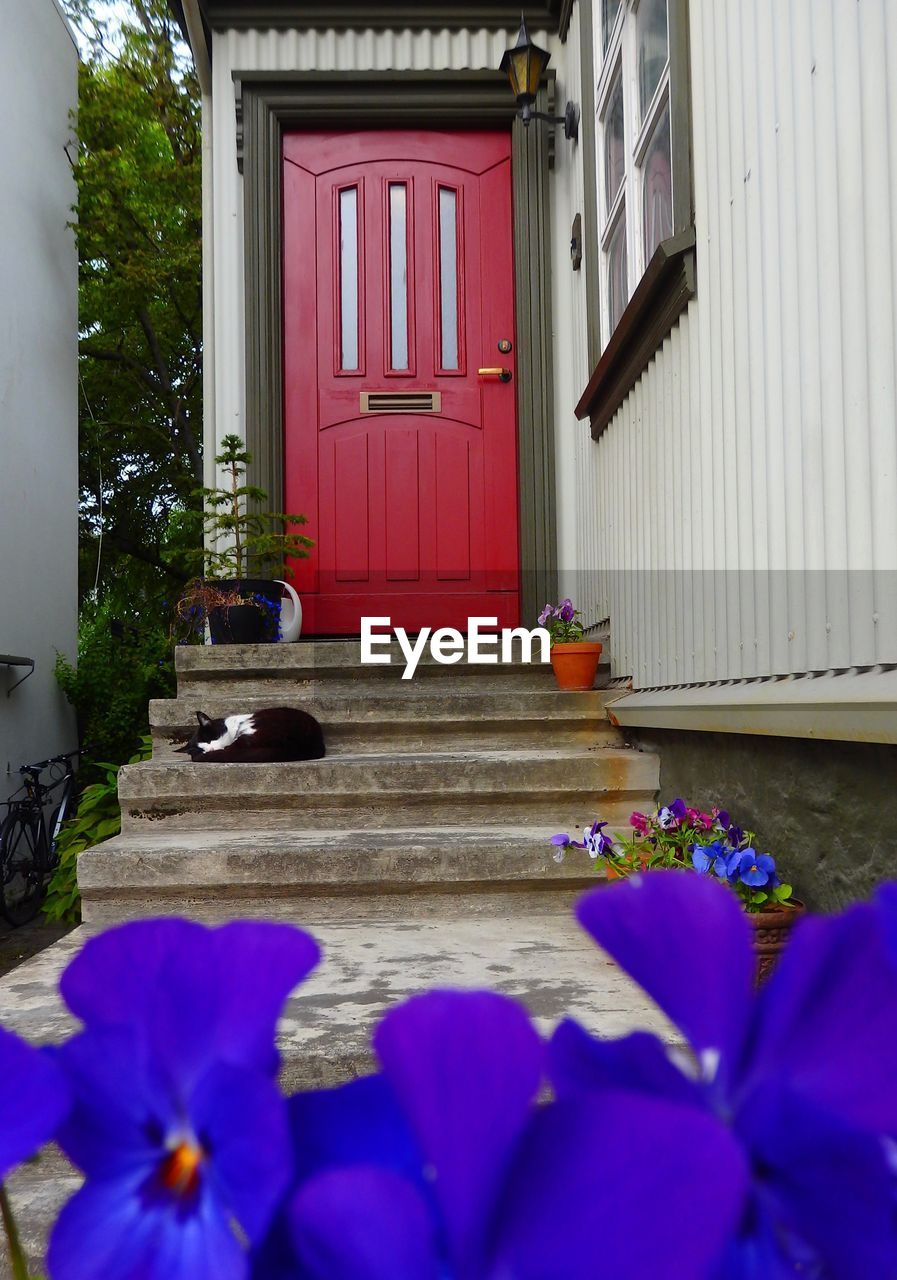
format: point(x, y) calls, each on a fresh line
point(570, 306)
point(38, 380)
point(738, 513)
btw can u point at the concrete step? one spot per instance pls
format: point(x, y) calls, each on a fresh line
point(543, 960)
point(429, 715)
point(389, 790)
point(256, 668)
point(312, 875)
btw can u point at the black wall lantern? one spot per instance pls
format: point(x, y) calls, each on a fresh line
point(523, 65)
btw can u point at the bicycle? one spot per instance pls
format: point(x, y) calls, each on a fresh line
point(27, 851)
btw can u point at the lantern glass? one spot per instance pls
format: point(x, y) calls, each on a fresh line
point(523, 65)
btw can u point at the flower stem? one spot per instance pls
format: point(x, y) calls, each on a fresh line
point(19, 1265)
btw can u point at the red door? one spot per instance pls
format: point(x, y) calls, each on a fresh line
point(398, 290)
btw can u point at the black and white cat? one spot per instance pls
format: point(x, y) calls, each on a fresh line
point(272, 736)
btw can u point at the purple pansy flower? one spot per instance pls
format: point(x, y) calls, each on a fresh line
point(547, 612)
point(710, 856)
point(472, 1181)
point(595, 842)
point(562, 843)
point(723, 820)
point(39, 1100)
point(804, 1076)
point(566, 611)
point(177, 1123)
point(672, 816)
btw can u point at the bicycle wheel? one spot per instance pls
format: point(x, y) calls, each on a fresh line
point(22, 882)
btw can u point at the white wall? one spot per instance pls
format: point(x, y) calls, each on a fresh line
point(745, 496)
point(570, 305)
point(38, 378)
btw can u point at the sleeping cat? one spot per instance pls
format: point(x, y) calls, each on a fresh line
point(272, 736)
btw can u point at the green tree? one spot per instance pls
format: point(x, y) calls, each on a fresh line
point(138, 229)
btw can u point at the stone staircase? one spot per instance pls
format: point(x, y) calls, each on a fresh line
point(417, 853)
point(437, 792)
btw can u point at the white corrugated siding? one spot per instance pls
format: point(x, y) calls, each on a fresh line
point(268, 50)
point(739, 514)
point(569, 304)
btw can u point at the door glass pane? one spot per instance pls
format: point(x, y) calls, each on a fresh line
point(609, 11)
point(448, 276)
point(653, 47)
point(348, 277)
point(657, 186)
point(398, 276)
point(614, 154)
point(618, 284)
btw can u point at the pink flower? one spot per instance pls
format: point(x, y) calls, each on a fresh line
point(639, 823)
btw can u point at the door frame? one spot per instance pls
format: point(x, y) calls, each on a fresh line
point(268, 105)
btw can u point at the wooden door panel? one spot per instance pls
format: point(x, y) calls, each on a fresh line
point(349, 503)
point(452, 509)
point(402, 505)
point(398, 280)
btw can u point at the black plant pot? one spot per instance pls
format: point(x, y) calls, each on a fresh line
point(240, 624)
point(246, 623)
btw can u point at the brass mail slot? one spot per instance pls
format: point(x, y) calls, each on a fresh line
point(400, 401)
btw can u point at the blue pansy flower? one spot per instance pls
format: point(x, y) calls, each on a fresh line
point(710, 856)
point(177, 1123)
point(39, 1100)
point(444, 1168)
point(803, 1076)
point(752, 868)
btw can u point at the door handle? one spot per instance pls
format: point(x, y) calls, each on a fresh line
point(503, 375)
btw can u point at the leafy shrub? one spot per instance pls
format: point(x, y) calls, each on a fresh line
point(98, 817)
point(122, 663)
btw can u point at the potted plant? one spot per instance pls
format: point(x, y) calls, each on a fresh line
point(245, 554)
point(233, 617)
point(573, 660)
point(678, 835)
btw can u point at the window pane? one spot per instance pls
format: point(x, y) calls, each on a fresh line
point(398, 276)
point(653, 47)
point(609, 11)
point(348, 277)
point(448, 276)
point(614, 153)
point(618, 283)
point(658, 186)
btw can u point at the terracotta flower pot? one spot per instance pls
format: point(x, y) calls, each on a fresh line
point(575, 665)
point(771, 932)
point(614, 874)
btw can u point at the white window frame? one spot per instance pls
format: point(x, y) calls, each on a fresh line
point(622, 54)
